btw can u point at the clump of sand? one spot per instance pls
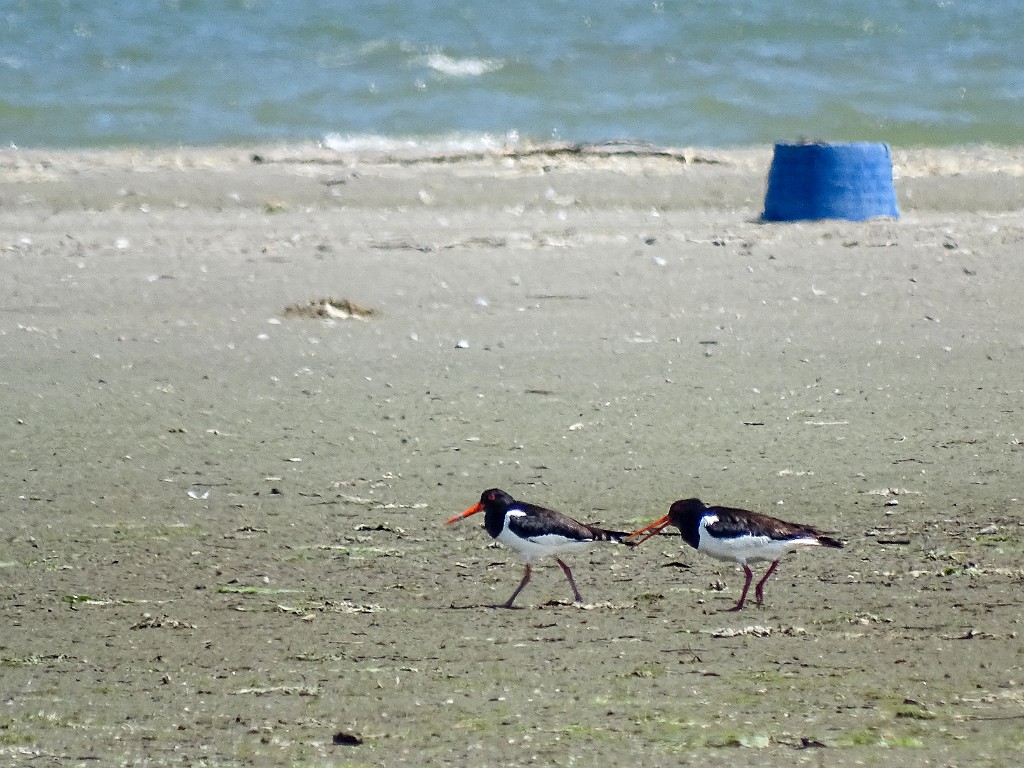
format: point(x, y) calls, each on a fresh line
point(334, 309)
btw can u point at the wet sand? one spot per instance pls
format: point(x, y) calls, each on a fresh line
point(223, 526)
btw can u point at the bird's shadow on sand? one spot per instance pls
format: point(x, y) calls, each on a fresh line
point(488, 606)
point(541, 606)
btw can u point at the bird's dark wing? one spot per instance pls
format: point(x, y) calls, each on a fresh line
point(540, 521)
point(734, 522)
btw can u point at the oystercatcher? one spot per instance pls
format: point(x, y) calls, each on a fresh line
point(534, 532)
point(739, 535)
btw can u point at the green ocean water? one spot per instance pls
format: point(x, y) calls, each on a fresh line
point(93, 73)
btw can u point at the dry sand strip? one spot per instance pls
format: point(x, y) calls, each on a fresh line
point(245, 387)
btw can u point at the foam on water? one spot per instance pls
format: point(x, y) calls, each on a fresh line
point(446, 65)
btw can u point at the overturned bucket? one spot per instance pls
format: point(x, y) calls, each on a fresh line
point(830, 181)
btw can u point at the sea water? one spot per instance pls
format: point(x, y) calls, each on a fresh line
point(96, 73)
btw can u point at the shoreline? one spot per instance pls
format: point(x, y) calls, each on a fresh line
point(311, 176)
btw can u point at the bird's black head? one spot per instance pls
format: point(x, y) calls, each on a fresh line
point(494, 502)
point(686, 511)
point(496, 498)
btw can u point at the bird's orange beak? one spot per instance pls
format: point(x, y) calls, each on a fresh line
point(478, 507)
point(654, 528)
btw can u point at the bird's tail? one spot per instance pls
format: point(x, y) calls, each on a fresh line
point(828, 541)
point(602, 534)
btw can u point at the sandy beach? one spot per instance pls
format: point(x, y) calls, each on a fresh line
point(223, 512)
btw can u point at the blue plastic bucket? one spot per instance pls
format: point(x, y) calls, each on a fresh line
point(830, 181)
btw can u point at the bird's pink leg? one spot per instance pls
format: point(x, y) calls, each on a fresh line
point(746, 585)
point(572, 581)
point(759, 589)
point(523, 583)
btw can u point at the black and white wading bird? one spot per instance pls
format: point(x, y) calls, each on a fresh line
point(534, 532)
point(737, 535)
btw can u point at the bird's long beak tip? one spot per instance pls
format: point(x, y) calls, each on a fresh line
point(471, 511)
point(637, 537)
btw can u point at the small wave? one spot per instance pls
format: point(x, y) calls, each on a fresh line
point(446, 65)
point(460, 142)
